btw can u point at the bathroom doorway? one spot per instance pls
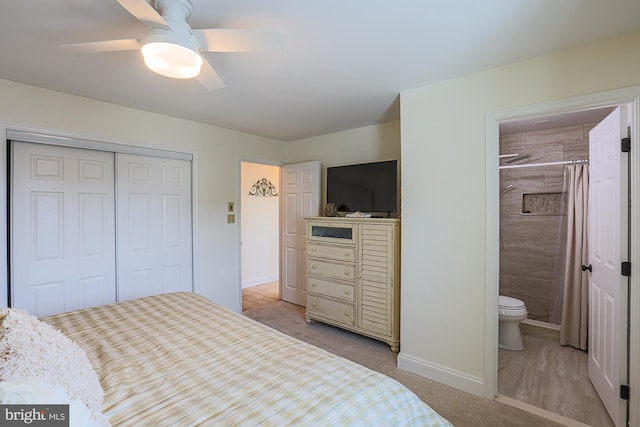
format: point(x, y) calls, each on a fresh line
point(532, 198)
point(534, 156)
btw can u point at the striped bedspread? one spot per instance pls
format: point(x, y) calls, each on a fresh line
point(180, 360)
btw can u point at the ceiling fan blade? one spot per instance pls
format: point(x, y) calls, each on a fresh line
point(104, 46)
point(209, 78)
point(145, 13)
point(231, 40)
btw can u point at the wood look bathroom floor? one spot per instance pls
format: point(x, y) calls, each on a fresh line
point(552, 377)
point(259, 295)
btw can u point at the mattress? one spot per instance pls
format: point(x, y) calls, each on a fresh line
point(179, 359)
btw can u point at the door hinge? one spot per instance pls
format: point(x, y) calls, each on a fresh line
point(626, 145)
point(626, 268)
point(624, 392)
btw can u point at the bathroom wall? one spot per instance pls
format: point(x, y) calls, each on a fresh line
point(529, 212)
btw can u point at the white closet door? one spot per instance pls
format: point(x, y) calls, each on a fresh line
point(154, 226)
point(62, 228)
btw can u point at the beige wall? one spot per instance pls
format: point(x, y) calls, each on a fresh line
point(216, 165)
point(361, 145)
point(444, 193)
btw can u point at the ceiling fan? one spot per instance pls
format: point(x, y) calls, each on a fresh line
point(173, 49)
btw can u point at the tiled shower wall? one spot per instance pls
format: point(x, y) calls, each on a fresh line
point(529, 241)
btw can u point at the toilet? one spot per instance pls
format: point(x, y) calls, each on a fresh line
point(511, 311)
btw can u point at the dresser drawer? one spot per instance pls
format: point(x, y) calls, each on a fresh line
point(331, 269)
point(332, 289)
point(332, 232)
point(338, 311)
point(339, 253)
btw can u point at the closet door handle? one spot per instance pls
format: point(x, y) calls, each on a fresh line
point(585, 268)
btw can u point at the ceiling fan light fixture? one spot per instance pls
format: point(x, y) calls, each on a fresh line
point(172, 54)
point(172, 60)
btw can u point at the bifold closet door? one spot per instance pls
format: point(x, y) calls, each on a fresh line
point(154, 226)
point(62, 238)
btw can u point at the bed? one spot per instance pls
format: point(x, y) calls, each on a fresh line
point(179, 359)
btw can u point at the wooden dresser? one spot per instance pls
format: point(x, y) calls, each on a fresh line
point(353, 275)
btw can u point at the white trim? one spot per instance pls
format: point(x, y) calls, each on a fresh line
point(259, 281)
point(492, 256)
point(66, 141)
point(4, 283)
point(195, 276)
point(634, 297)
point(629, 95)
point(564, 421)
point(441, 374)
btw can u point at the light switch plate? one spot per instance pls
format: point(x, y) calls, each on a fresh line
point(230, 207)
point(231, 218)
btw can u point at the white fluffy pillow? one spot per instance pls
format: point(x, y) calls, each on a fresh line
point(31, 391)
point(31, 349)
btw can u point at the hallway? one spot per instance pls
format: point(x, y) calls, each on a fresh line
point(260, 295)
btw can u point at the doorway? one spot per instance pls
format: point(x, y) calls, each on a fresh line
point(627, 96)
point(535, 156)
point(298, 191)
point(259, 234)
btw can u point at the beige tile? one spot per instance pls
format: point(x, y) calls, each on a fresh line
point(541, 139)
point(576, 151)
point(557, 394)
point(512, 143)
point(552, 377)
point(561, 362)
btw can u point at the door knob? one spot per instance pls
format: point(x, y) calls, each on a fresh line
point(585, 268)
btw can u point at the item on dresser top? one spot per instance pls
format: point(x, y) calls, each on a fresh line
point(358, 214)
point(330, 210)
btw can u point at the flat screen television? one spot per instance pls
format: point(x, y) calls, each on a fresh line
point(365, 187)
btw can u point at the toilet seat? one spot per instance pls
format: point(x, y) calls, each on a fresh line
point(508, 303)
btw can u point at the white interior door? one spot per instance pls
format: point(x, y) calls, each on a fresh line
point(300, 198)
point(154, 246)
point(62, 228)
point(608, 244)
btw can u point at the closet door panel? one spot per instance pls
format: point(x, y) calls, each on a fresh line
point(63, 236)
point(154, 226)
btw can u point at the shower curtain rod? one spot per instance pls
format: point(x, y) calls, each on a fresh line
point(531, 165)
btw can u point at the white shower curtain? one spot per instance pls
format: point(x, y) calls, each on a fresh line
point(575, 303)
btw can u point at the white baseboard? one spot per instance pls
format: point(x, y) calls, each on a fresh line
point(259, 281)
point(441, 374)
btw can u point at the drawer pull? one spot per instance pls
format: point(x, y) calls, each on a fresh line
point(347, 253)
point(346, 272)
point(313, 266)
point(346, 291)
point(313, 304)
point(346, 313)
point(313, 249)
point(359, 276)
point(313, 285)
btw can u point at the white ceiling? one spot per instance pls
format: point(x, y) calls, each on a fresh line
point(343, 66)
